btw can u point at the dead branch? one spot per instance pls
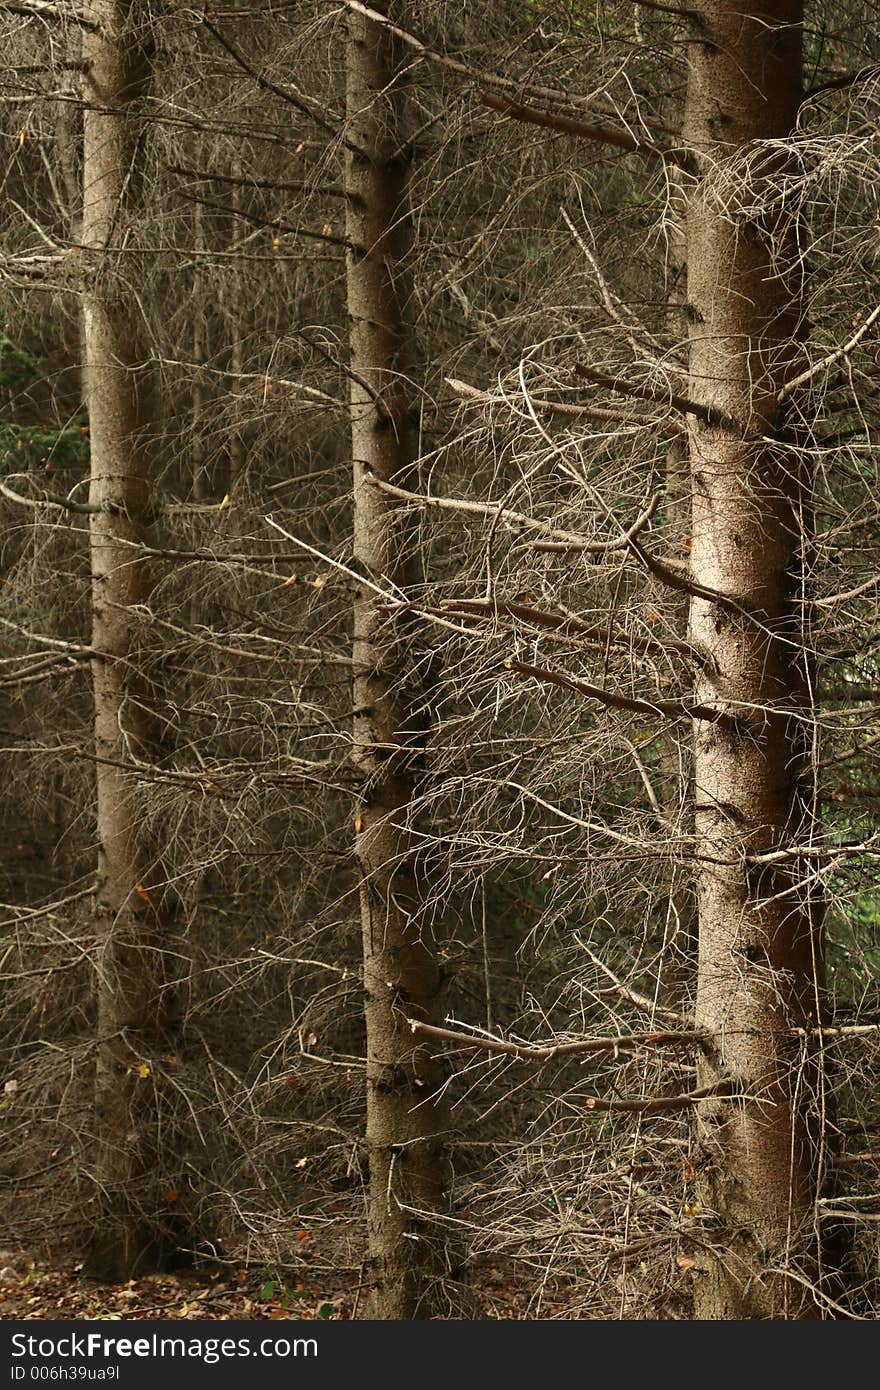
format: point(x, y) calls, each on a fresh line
point(545, 1052)
point(562, 540)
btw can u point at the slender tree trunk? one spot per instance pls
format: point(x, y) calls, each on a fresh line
point(404, 1117)
point(759, 940)
point(127, 1226)
point(237, 319)
point(201, 482)
point(680, 943)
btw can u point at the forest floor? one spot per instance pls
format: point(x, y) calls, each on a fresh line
point(33, 1292)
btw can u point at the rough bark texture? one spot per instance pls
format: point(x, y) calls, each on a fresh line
point(129, 1199)
point(405, 1122)
point(680, 944)
point(759, 945)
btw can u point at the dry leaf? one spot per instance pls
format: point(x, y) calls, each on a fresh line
point(685, 1261)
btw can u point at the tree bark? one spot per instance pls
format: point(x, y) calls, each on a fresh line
point(128, 1232)
point(405, 1122)
point(759, 932)
point(680, 943)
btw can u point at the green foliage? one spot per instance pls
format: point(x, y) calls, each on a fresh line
point(273, 1289)
point(18, 368)
point(28, 446)
point(24, 447)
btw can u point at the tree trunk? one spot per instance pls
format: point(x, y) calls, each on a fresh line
point(680, 936)
point(127, 1226)
point(405, 1121)
point(759, 935)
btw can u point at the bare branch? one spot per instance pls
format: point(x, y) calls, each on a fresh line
point(565, 125)
point(64, 503)
point(577, 412)
point(545, 1052)
point(669, 709)
point(270, 225)
point(326, 190)
point(707, 413)
point(42, 9)
point(305, 108)
point(831, 358)
point(562, 540)
point(641, 1001)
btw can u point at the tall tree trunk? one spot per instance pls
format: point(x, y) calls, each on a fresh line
point(199, 424)
point(405, 1122)
point(759, 938)
point(679, 967)
point(127, 1226)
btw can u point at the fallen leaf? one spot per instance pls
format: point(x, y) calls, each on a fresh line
point(685, 1261)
